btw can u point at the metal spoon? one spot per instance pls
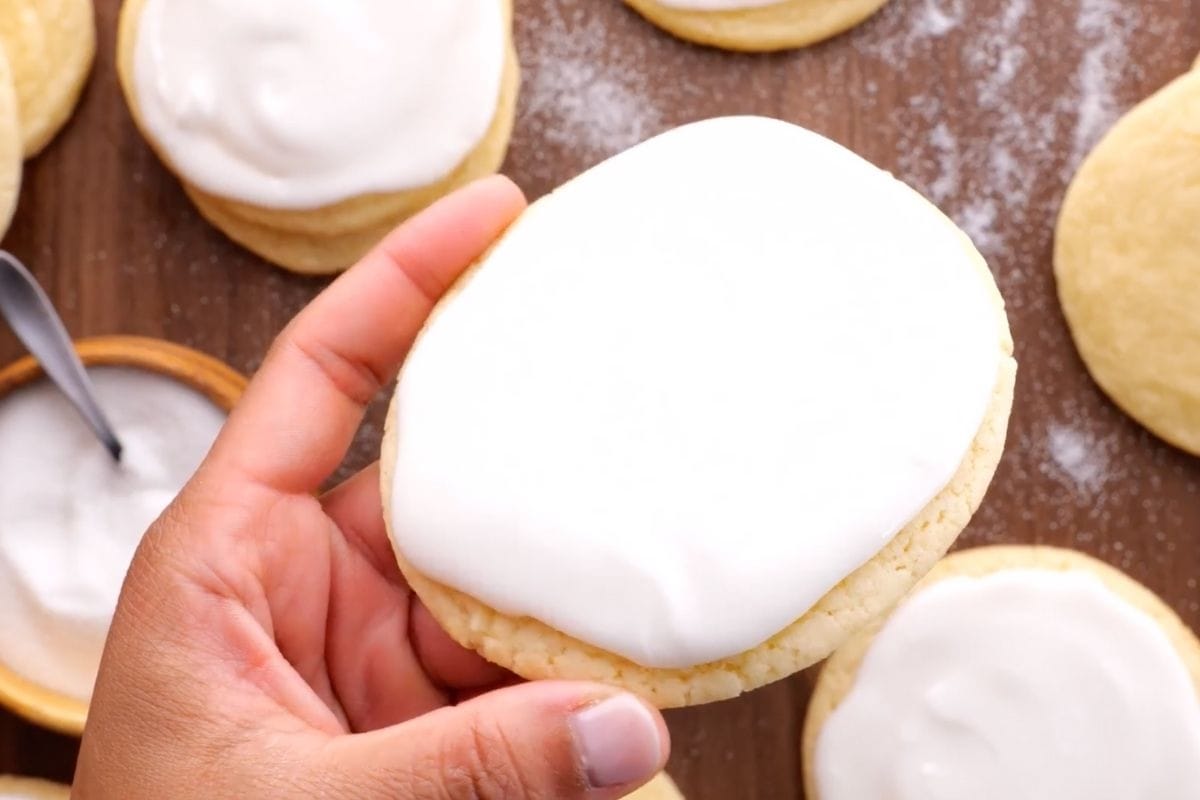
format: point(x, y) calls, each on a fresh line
point(35, 322)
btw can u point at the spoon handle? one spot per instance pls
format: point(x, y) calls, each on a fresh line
point(33, 319)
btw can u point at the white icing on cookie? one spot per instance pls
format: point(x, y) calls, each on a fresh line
point(303, 103)
point(692, 391)
point(1026, 684)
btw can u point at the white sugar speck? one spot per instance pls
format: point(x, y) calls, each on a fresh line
point(585, 89)
point(939, 18)
point(1078, 456)
point(592, 108)
point(946, 146)
point(979, 219)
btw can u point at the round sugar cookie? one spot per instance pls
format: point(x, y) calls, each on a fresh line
point(10, 147)
point(661, 788)
point(757, 26)
point(51, 45)
point(536, 650)
point(16, 788)
point(839, 673)
point(1125, 259)
point(332, 237)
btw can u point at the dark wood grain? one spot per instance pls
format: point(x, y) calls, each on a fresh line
point(984, 105)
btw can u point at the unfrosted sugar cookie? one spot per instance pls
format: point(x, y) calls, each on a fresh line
point(756, 25)
point(10, 146)
point(701, 414)
point(306, 131)
point(1127, 261)
point(661, 788)
point(14, 788)
point(1012, 672)
point(50, 45)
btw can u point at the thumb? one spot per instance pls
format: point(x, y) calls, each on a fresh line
point(551, 739)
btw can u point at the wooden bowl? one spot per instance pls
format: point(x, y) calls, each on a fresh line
point(35, 788)
point(205, 374)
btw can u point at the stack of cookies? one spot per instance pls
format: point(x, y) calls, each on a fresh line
point(310, 142)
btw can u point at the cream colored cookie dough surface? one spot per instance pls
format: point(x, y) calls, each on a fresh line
point(756, 25)
point(10, 146)
point(1127, 264)
point(536, 649)
point(661, 788)
point(24, 42)
point(51, 45)
point(839, 674)
point(14, 788)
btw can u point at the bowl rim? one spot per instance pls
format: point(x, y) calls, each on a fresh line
point(208, 375)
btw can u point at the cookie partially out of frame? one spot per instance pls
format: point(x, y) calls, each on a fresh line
point(1126, 265)
point(779, 26)
point(10, 146)
point(839, 672)
point(51, 45)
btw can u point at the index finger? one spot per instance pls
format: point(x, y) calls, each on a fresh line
point(300, 413)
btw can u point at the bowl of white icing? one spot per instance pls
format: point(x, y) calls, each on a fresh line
point(71, 518)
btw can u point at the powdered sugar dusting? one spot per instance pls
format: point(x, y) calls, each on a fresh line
point(945, 146)
point(1105, 25)
point(585, 88)
point(598, 111)
point(978, 219)
point(939, 17)
point(899, 33)
point(1078, 457)
point(987, 184)
point(996, 58)
point(1075, 467)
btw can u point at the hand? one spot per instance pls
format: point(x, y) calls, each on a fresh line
point(266, 645)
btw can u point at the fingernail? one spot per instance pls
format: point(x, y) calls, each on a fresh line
point(618, 741)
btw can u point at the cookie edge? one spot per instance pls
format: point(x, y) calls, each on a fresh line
point(784, 25)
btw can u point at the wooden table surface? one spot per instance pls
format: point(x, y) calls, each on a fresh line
point(986, 106)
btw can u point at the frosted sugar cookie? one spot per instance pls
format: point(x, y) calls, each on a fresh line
point(51, 45)
point(13, 788)
point(10, 147)
point(701, 414)
point(1127, 260)
point(756, 25)
point(306, 133)
point(661, 788)
point(1012, 672)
